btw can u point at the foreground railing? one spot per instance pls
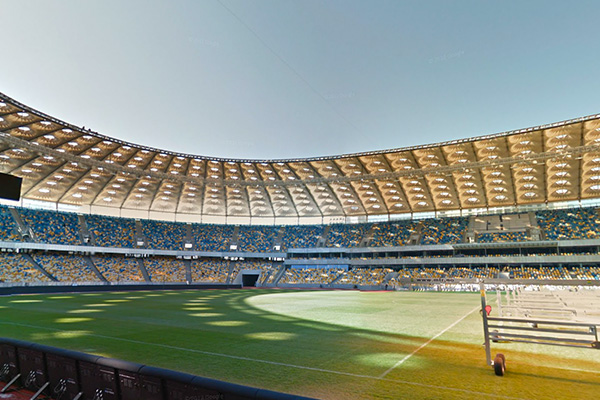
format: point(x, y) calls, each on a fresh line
point(56, 373)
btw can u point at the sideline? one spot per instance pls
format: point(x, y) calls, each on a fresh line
point(210, 353)
point(427, 342)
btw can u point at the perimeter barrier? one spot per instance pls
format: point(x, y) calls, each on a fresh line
point(54, 373)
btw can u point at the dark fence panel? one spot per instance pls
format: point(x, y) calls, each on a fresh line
point(67, 373)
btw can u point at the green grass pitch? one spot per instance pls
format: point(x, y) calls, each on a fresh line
point(323, 344)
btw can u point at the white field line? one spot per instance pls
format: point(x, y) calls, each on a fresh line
point(426, 343)
point(210, 353)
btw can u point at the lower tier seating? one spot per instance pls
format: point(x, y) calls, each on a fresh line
point(165, 269)
point(66, 267)
point(118, 268)
point(17, 269)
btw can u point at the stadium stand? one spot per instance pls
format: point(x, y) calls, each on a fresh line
point(65, 267)
point(210, 270)
point(165, 269)
point(342, 235)
point(16, 269)
point(387, 234)
point(212, 237)
point(118, 268)
point(164, 235)
point(52, 226)
point(471, 273)
point(364, 276)
point(257, 239)
point(496, 237)
point(301, 236)
point(316, 276)
point(112, 232)
point(585, 273)
point(582, 223)
point(443, 231)
point(539, 273)
point(8, 228)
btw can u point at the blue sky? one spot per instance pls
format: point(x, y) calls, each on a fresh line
point(301, 78)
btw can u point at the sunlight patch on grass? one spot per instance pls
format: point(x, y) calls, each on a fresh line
point(99, 305)
point(255, 312)
point(85, 311)
point(26, 301)
point(72, 320)
point(197, 308)
point(70, 334)
point(116, 301)
point(227, 323)
point(61, 297)
point(380, 360)
point(385, 338)
point(134, 297)
point(206, 315)
point(271, 335)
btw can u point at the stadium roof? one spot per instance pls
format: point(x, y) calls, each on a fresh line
point(66, 164)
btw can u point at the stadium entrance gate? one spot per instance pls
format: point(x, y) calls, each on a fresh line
point(247, 277)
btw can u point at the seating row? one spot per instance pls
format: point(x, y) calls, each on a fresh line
point(64, 228)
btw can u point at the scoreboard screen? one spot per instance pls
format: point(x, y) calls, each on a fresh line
point(10, 187)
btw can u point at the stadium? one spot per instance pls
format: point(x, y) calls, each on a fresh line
point(459, 269)
point(518, 203)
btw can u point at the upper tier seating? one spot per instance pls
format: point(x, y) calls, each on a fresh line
point(444, 231)
point(8, 228)
point(212, 237)
point(347, 235)
point(301, 236)
point(51, 226)
point(112, 232)
point(496, 237)
point(396, 233)
point(582, 223)
point(63, 228)
point(256, 238)
point(164, 235)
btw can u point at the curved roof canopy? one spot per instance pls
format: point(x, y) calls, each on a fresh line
point(66, 164)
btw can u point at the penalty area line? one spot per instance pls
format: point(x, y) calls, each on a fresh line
point(426, 343)
point(210, 353)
